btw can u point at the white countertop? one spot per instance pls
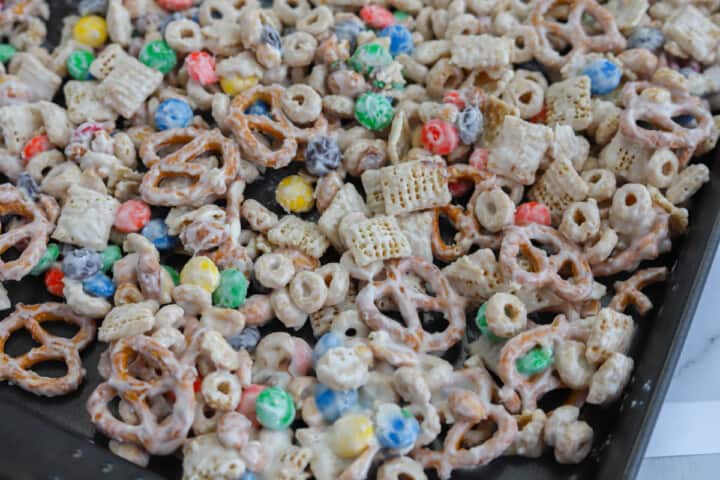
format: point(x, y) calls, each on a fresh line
point(685, 444)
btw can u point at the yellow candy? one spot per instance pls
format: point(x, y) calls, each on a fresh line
point(295, 194)
point(91, 31)
point(351, 435)
point(201, 271)
point(237, 84)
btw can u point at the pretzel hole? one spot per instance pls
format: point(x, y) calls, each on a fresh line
point(59, 328)
point(19, 343)
point(590, 24)
point(175, 180)
point(548, 248)
point(568, 270)
point(559, 44)
point(11, 254)
point(554, 399)
point(448, 232)
point(479, 434)
point(50, 368)
point(526, 261)
point(434, 321)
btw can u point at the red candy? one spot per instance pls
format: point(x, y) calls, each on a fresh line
point(201, 68)
point(439, 136)
point(540, 117)
point(54, 281)
point(460, 188)
point(35, 145)
point(376, 16)
point(247, 402)
point(479, 158)
point(132, 216)
point(197, 385)
point(175, 5)
point(453, 96)
point(532, 212)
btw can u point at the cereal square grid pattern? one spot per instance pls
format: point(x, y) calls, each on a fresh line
point(347, 200)
point(86, 218)
point(128, 85)
point(413, 186)
point(569, 102)
point(83, 104)
point(378, 238)
point(519, 160)
point(293, 232)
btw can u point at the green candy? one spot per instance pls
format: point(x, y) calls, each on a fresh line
point(535, 361)
point(109, 256)
point(52, 252)
point(482, 325)
point(173, 274)
point(78, 64)
point(400, 16)
point(374, 111)
point(7, 51)
point(232, 291)
point(158, 55)
point(369, 57)
point(275, 409)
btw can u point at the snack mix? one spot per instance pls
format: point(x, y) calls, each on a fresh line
point(459, 178)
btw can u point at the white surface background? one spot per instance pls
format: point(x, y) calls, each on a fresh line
point(685, 444)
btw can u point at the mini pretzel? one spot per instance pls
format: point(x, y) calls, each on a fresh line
point(629, 292)
point(160, 437)
point(252, 130)
point(645, 247)
point(665, 133)
point(35, 229)
point(409, 300)
point(231, 253)
point(153, 149)
point(17, 369)
point(572, 31)
point(206, 184)
point(531, 389)
point(545, 269)
point(469, 231)
point(469, 409)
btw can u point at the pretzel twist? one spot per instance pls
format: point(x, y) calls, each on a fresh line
point(252, 130)
point(409, 300)
point(531, 389)
point(34, 229)
point(18, 369)
point(206, 184)
point(666, 133)
point(644, 247)
point(469, 403)
point(157, 436)
point(572, 31)
point(547, 270)
point(629, 292)
point(469, 231)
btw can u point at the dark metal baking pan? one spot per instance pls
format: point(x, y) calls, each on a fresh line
point(53, 438)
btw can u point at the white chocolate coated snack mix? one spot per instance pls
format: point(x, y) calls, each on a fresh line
point(455, 182)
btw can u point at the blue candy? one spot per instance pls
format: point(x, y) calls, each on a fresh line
point(247, 339)
point(348, 30)
point(89, 7)
point(644, 37)
point(81, 263)
point(99, 285)
point(271, 36)
point(604, 76)
point(327, 342)
point(248, 475)
point(470, 124)
point(169, 19)
point(258, 108)
point(26, 183)
point(322, 156)
point(333, 404)
point(401, 40)
point(173, 113)
point(396, 427)
point(157, 232)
